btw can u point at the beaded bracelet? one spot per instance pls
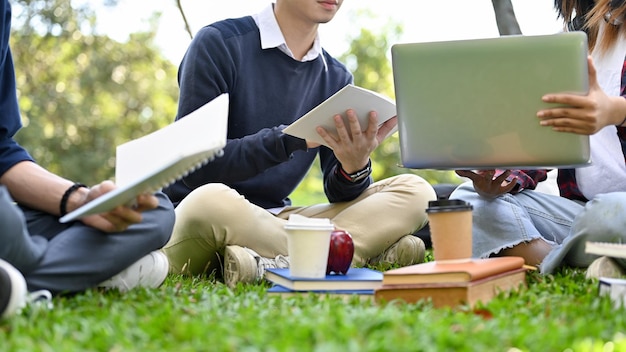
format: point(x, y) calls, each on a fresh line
point(66, 197)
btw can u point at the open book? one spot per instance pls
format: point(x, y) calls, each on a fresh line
point(149, 163)
point(361, 100)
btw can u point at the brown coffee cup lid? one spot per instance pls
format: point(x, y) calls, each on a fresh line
point(442, 204)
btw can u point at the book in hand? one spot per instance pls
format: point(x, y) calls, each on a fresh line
point(609, 249)
point(615, 288)
point(434, 272)
point(355, 279)
point(361, 100)
point(277, 290)
point(451, 294)
point(147, 164)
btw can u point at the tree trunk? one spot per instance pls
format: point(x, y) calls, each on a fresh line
point(505, 17)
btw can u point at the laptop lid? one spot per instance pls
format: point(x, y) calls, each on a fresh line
point(472, 104)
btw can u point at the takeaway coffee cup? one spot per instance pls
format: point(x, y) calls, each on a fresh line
point(450, 222)
point(308, 243)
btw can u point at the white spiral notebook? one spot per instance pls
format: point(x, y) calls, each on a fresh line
point(149, 163)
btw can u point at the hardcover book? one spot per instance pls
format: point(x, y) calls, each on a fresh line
point(450, 294)
point(355, 279)
point(434, 272)
point(149, 163)
point(361, 100)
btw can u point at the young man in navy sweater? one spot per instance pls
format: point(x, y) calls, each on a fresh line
point(230, 213)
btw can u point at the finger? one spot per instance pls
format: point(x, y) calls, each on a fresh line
point(464, 173)
point(355, 126)
point(470, 174)
point(502, 177)
point(509, 187)
point(146, 202)
point(372, 124)
point(593, 75)
point(122, 217)
point(342, 131)
point(326, 136)
point(573, 101)
point(386, 127)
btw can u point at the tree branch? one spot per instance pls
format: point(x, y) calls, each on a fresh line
point(182, 13)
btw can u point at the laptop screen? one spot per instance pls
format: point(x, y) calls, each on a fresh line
point(472, 104)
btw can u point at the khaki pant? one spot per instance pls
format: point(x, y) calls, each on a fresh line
point(215, 216)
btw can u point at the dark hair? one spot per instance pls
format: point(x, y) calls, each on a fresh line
point(587, 15)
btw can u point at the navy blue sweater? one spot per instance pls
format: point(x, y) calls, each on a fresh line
point(10, 122)
point(268, 90)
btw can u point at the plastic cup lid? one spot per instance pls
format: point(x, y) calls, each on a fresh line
point(440, 205)
point(299, 222)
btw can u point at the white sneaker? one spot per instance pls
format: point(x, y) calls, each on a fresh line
point(149, 271)
point(13, 293)
point(604, 267)
point(408, 250)
point(247, 266)
point(12, 290)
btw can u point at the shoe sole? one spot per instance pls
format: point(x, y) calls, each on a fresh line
point(162, 266)
point(236, 259)
point(18, 291)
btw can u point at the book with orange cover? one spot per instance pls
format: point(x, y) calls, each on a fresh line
point(450, 294)
point(434, 272)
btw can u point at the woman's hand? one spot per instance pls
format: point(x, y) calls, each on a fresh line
point(486, 185)
point(583, 114)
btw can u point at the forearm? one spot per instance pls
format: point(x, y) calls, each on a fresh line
point(618, 116)
point(31, 185)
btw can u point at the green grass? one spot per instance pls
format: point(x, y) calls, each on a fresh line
point(555, 313)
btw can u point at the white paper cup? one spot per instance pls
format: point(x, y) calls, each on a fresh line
point(308, 245)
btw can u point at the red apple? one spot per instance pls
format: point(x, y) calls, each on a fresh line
point(340, 253)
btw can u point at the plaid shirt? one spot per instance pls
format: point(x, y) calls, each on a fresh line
point(566, 178)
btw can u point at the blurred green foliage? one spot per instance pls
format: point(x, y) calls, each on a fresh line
point(80, 93)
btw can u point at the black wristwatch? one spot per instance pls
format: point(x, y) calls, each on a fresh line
point(359, 175)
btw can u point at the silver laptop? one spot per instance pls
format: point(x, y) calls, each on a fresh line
point(472, 104)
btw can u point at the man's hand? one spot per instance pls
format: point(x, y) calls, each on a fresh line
point(120, 218)
point(486, 185)
point(352, 145)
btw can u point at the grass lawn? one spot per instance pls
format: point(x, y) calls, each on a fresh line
point(555, 313)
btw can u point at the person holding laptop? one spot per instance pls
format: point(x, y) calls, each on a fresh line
point(511, 218)
point(230, 214)
point(117, 249)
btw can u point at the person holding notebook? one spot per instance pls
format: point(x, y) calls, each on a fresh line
point(230, 213)
point(117, 249)
point(510, 218)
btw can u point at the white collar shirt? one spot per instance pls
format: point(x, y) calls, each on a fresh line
point(272, 37)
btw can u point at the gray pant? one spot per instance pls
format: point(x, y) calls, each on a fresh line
point(72, 257)
point(509, 220)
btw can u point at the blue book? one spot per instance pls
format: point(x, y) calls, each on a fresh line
point(364, 295)
point(355, 279)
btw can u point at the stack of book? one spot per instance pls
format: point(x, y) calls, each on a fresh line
point(359, 282)
point(452, 284)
